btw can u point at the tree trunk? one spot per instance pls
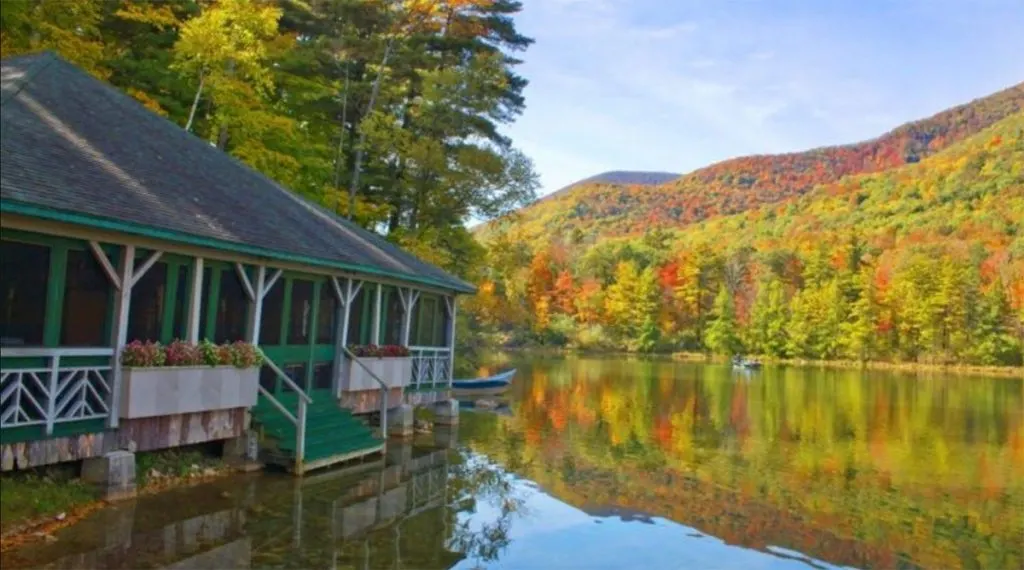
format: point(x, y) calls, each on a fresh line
point(341, 143)
point(222, 138)
point(195, 102)
point(362, 135)
point(222, 135)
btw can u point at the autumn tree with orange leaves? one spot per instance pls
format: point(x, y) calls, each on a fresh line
point(924, 264)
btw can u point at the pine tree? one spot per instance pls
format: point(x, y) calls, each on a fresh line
point(721, 335)
point(768, 319)
point(649, 336)
point(858, 331)
point(646, 302)
point(994, 342)
point(802, 325)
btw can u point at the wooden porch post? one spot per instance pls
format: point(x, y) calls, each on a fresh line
point(451, 306)
point(375, 331)
point(255, 291)
point(409, 299)
point(345, 297)
point(195, 301)
point(123, 280)
point(119, 334)
point(341, 333)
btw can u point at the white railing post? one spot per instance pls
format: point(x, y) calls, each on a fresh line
point(300, 436)
point(300, 421)
point(51, 403)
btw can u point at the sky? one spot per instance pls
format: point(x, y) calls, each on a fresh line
point(674, 85)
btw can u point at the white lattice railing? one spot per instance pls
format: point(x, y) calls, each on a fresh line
point(427, 488)
point(431, 367)
point(55, 391)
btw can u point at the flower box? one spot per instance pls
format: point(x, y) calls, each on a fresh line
point(165, 391)
point(394, 371)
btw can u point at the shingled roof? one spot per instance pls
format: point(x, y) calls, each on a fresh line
point(76, 149)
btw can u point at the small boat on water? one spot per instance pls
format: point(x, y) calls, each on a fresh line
point(745, 363)
point(482, 387)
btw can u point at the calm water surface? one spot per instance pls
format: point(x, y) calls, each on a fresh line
point(602, 463)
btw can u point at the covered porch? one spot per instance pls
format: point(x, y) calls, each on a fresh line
point(74, 298)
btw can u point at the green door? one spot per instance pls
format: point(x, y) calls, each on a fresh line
point(297, 332)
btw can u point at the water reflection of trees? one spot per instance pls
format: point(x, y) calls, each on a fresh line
point(927, 467)
point(474, 479)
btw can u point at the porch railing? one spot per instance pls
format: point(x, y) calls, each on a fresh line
point(300, 421)
point(55, 385)
point(430, 367)
point(382, 386)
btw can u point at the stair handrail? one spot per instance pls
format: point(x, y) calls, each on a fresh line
point(298, 422)
point(383, 391)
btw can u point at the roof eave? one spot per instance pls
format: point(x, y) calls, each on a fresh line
point(9, 206)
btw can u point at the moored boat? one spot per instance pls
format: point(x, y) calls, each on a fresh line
point(745, 363)
point(482, 387)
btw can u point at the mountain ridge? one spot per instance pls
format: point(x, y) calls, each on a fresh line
point(602, 209)
point(620, 178)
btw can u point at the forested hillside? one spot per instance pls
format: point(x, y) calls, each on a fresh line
point(923, 262)
point(386, 109)
point(602, 208)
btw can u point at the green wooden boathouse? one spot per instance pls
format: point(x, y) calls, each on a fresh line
point(119, 226)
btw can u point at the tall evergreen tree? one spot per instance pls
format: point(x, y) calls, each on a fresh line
point(722, 335)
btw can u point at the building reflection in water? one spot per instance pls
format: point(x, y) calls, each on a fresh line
point(394, 513)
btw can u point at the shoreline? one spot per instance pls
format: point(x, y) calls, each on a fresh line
point(1011, 372)
point(43, 527)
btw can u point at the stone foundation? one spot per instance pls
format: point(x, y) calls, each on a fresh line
point(446, 412)
point(400, 421)
point(142, 434)
point(113, 473)
point(368, 401)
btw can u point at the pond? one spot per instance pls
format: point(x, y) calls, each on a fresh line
point(626, 463)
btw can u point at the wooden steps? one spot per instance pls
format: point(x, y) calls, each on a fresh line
point(333, 434)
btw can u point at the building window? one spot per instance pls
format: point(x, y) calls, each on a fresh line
point(297, 374)
point(355, 318)
point(87, 302)
point(204, 303)
point(180, 306)
point(270, 319)
point(325, 316)
point(24, 274)
point(322, 376)
point(441, 320)
point(268, 379)
point(393, 313)
point(423, 322)
point(232, 308)
point(301, 313)
point(145, 315)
